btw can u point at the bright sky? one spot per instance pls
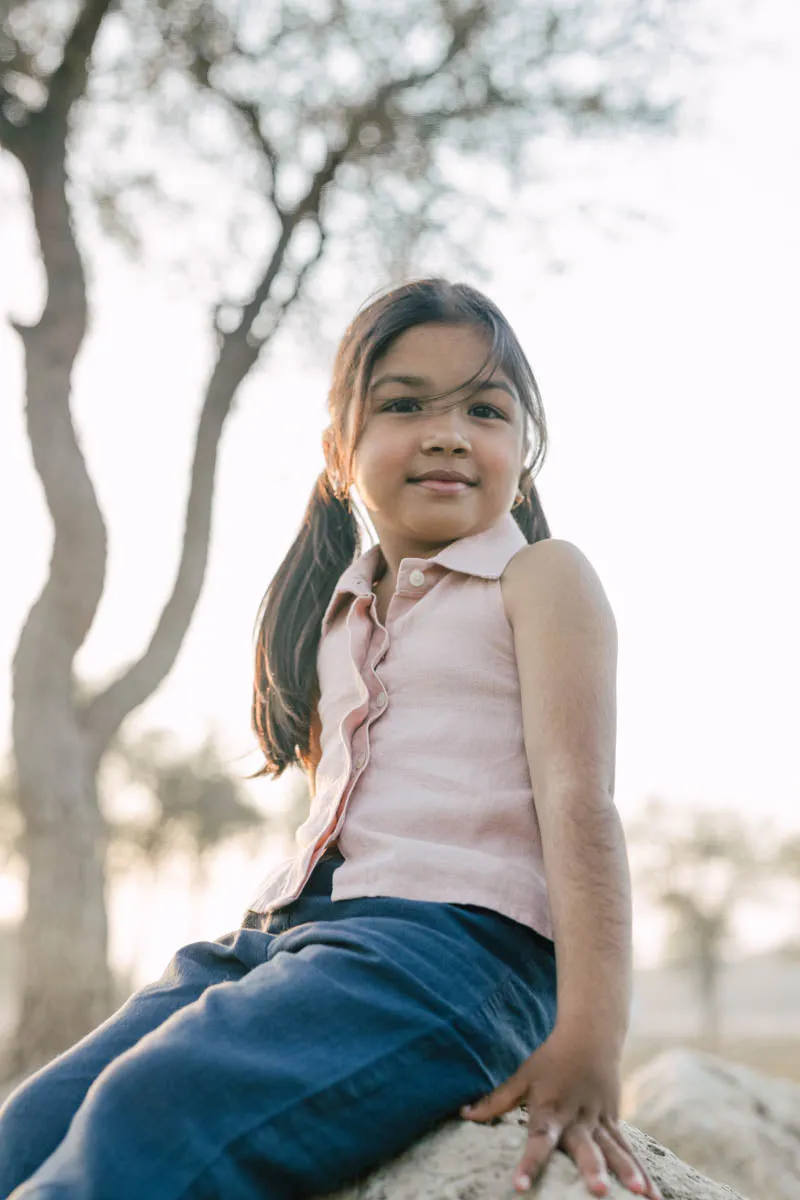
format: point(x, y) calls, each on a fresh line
point(666, 357)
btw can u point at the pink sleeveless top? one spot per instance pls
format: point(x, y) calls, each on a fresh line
point(423, 779)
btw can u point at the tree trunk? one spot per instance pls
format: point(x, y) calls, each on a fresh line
point(66, 983)
point(709, 999)
point(65, 977)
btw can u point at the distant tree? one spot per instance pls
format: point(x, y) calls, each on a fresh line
point(187, 805)
point(786, 865)
point(195, 804)
point(698, 866)
point(335, 131)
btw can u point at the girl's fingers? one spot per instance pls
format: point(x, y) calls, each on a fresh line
point(544, 1131)
point(586, 1153)
point(623, 1161)
point(595, 1152)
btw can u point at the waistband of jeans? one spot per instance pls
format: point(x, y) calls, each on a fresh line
point(332, 852)
point(320, 881)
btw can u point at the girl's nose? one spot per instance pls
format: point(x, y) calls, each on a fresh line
point(447, 437)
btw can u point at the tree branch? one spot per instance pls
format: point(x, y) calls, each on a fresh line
point(68, 81)
point(300, 279)
point(66, 85)
point(200, 69)
point(375, 110)
point(252, 119)
point(103, 715)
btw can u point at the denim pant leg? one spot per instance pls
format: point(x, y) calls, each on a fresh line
point(367, 1023)
point(36, 1116)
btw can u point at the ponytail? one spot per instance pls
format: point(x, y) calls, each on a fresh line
point(529, 513)
point(285, 686)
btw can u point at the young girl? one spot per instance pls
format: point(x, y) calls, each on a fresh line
point(451, 695)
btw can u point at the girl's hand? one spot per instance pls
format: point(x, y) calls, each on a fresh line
point(572, 1096)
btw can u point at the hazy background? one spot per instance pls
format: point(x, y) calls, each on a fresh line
point(653, 283)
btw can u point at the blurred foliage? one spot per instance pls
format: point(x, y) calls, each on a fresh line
point(160, 801)
point(188, 802)
point(352, 126)
point(699, 866)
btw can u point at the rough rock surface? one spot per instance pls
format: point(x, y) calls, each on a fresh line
point(729, 1121)
point(462, 1160)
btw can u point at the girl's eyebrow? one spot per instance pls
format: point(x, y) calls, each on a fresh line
point(487, 385)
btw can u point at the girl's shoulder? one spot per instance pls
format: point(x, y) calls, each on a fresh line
point(552, 573)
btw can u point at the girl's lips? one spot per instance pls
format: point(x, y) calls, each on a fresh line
point(446, 486)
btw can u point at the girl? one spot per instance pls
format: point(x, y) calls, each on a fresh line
point(451, 694)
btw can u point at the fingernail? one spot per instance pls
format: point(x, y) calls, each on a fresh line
point(523, 1183)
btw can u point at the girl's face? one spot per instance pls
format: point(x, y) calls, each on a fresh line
point(405, 436)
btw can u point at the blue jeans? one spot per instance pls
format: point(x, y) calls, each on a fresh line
point(287, 1058)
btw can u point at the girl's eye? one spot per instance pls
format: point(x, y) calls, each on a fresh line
point(489, 408)
point(404, 400)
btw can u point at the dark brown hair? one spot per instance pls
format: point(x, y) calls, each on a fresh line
point(285, 689)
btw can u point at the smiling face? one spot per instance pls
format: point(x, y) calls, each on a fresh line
point(480, 435)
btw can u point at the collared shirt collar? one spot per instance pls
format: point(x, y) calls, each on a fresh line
point(484, 554)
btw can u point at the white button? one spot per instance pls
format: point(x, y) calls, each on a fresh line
point(416, 578)
point(362, 758)
point(380, 699)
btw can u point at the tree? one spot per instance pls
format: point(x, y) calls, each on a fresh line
point(189, 805)
point(195, 805)
point(785, 865)
point(339, 129)
point(699, 866)
point(161, 803)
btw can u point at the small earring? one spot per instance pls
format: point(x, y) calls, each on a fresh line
point(518, 499)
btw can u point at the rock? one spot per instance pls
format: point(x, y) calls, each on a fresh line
point(729, 1121)
point(462, 1160)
